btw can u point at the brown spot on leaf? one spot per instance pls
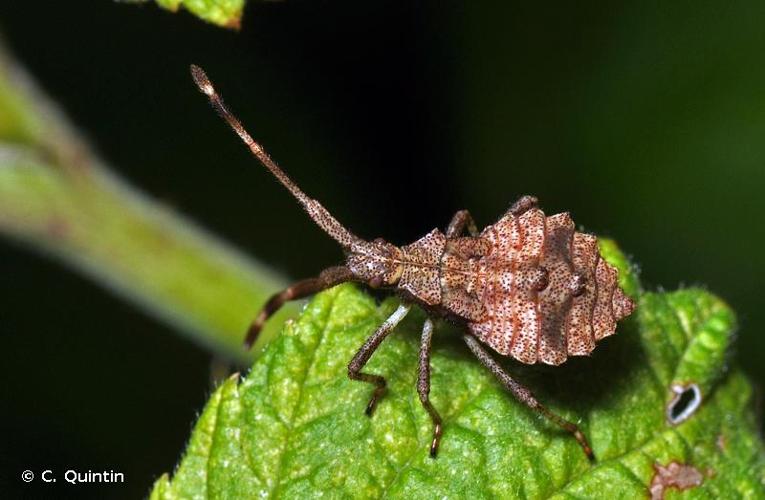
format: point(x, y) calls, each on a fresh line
point(235, 23)
point(674, 475)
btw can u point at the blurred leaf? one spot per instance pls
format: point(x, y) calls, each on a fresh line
point(295, 428)
point(59, 198)
point(226, 13)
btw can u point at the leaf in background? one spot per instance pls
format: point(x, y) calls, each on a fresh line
point(295, 426)
point(225, 13)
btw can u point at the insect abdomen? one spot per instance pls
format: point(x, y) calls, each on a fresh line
point(546, 290)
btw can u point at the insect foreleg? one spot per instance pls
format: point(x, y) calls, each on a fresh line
point(326, 279)
point(460, 221)
point(423, 384)
point(366, 351)
point(524, 395)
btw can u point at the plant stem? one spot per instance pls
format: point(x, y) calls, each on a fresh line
point(59, 198)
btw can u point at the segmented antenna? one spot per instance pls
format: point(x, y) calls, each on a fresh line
point(318, 213)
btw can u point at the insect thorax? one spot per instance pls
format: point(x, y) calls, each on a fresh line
point(413, 268)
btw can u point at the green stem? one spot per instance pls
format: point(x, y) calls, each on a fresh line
point(57, 197)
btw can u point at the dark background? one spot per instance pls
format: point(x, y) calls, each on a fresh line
point(645, 120)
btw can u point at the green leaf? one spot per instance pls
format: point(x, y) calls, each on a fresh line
point(294, 426)
point(226, 13)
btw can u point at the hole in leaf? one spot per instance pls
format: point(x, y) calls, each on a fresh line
point(685, 403)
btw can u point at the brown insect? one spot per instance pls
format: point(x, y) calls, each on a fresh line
point(528, 286)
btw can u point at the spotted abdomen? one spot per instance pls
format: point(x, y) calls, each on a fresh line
point(546, 293)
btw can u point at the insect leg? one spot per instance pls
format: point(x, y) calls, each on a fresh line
point(523, 204)
point(524, 395)
point(326, 279)
point(460, 221)
point(423, 384)
point(366, 351)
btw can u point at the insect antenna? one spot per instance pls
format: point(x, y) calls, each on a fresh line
point(318, 213)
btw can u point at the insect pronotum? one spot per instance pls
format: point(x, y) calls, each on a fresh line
point(528, 286)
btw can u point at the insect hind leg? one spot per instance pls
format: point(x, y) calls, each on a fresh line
point(525, 396)
point(423, 385)
point(327, 279)
point(366, 351)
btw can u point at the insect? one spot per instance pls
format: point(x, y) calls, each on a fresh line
point(528, 286)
